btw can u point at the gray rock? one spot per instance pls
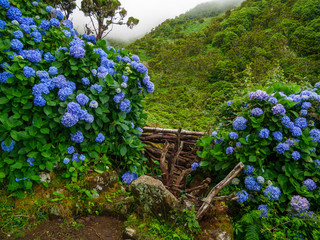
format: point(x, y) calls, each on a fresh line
point(152, 197)
point(129, 233)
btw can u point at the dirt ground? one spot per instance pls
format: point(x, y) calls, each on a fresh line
point(86, 228)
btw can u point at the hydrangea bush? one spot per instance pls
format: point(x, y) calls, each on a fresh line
point(275, 133)
point(66, 101)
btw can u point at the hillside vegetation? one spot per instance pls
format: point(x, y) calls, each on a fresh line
point(199, 61)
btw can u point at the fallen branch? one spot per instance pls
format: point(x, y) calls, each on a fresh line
point(232, 197)
point(164, 170)
point(215, 190)
point(175, 131)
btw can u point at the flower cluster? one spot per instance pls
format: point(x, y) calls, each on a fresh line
point(272, 192)
point(310, 184)
point(299, 204)
point(128, 177)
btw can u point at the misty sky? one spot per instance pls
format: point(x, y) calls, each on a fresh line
point(150, 13)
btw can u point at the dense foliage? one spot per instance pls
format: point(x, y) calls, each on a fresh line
point(67, 103)
point(276, 134)
point(227, 53)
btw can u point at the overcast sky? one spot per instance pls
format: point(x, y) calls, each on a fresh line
point(150, 13)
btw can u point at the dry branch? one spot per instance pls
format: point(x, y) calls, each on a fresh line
point(175, 131)
point(162, 164)
point(215, 190)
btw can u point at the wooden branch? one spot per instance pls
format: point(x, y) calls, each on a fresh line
point(174, 162)
point(164, 130)
point(203, 186)
point(232, 196)
point(215, 190)
point(164, 170)
point(183, 175)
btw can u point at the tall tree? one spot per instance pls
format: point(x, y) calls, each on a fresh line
point(104, 14)
point(67, 6)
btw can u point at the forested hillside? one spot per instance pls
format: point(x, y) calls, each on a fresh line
point(199, 62)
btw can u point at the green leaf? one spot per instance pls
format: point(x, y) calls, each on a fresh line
point(109, 79)
point(4, 100)
point(44, 130)
point(123, 150)
point(2, 175)
point(17, 165)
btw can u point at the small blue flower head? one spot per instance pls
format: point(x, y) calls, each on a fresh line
point(18, 34)
point(35, 3)
point(82, 157)
point(54, 22)
point(260, 180)
point(299, 204)
point(296, 131)
point(53, 70)
point(125, 78)
point(135, 58)
point(243, 196)
point(272, 192)
point(77, 51)
point(252, 184)
point(128, 177)
point(296, 155)
point(140, 129)
point(278, 110)
point(7, 149)
point(258, 95)
point(69, 120)
point(315, 133)
point(28, 72)
point(73, 108)
point(93, 104)
point(4, 3)
point(239, 123)
point(66, 160)
point(39, 101)
point(75, 157)
point(229, 150)
point(85, 81)
point(100, 138)
point(14, 13)
point(49, 57)
point(30, 160)
point(82, 99)
point(3, 24)
point(306, 105)
point(78, 137)
point(303, 113)
point(233, 135)
point(277, 136)
point(229, 103)
point(310, 184)
point(70, 149)
point(301, 122)
point(97, 87)
point(264, 210)
point(249, 170)
point(238, 144)
point(195, 165)
point(42, 74)
point(273, 100)
point(264, 133)
point(16, 45)
point(282, 147)
point(256, 112)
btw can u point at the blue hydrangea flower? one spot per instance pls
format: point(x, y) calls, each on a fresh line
point(233, 135)
point(18, 34)
point(42, 74)
point(30, 161)
point(141, 68)
point(49, 57)
point(77, 51)
point(306, 105)
point(128, 177)
point(260, 179)
point(63, 93)
point(4, 3)
point(125, 78)
point(273, 100)
point(296, 155)
point(296, 131)
point(299, 204)
point(82, 99)
point(195, 165)
point(78, 137)
point(28, 71)
point(229, 103)
point(14, 13)
point(100, 138)
point(124, 85)
point(243, 196)
point(303, 113)
point(82, 157)
point(310, 184)
point(277, 135)
point(315, 133)
point(278, 109)
point(69, 120)
point(238, 144)
point(229, 150)
point(150, 87)
point(282, 147)
point(66, 160)
point(124, 105)
point(70, 149)
point(53, 70)
point(264, 133)
point(89, 118)
point(96, 87)
point(93, 104)
point(39, 101)
point(75, 157)
point(54, 22)
point(135, 58)
point(239, 123)
point(33, 56)
point(140, 129)
point(258, 95)
point(249, 170)
point(264, 210)
point(7, 149)
point(16, 44)
point(85, 81)
point(3, 24)
point(4, 76)
point(37, 37)
point(301, 122)
point(252, 184)
point(272, 192)
point(45, 24)
point(73, 108)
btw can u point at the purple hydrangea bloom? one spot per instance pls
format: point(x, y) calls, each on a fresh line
point(233, 135)
point(93, 104)
point(89, 118)
point(53, 70)
point(82, 99)
point(296, 131)
point(252, 184)
point(78, 137)
point(135, 58)
point(303, 113)
point(125, 78)
point(264, 210)
point(125, 105)
point(14, 13)
point(264, 133)
point(256, 112)
point(301, 122)
point(69, 120)
point(195, 165)
point(243, 196)
point(259, 95)
point(249, 170)
point(40, 88)
point(28, 71)
point(278, 109)
point(82, 157)
point(141, 68)
point(296, 155)
point(229, 150)
point(306, 105)
point(229, 103)
point(310, 184)
point(42, 74)
point(77, 51)
point(272, 192)
point(285, 120)
point(277, 136)
point(70, 149)
point(33, 56)
point(85, 81)
point(73, 108)
point(7, 149)
point(239, 123)
point(273, 100)
point(282, 147)
point(30, 161)
point(315, 133)
point(75, 157)
point(100, 138)
point(150, 87)
point(128, 177)
point(299, 204)
point(238, 144)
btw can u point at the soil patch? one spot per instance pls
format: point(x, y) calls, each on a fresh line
point(85, 228)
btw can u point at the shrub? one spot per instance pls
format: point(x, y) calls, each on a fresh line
point(67, 102)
